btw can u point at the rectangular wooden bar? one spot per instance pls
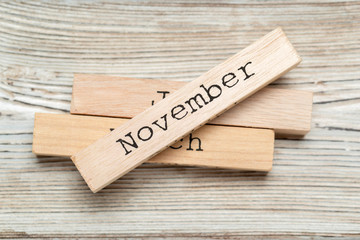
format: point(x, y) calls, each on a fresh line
point(210, 146)
point(287, 111)
point(187, 109)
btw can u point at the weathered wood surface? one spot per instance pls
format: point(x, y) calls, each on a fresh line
point(314, 187)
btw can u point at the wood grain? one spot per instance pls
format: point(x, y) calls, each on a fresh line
point(187, 109)
point(210, 146)
point(287, 111)
point(313, 190)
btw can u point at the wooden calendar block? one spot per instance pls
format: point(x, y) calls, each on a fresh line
point(185, 110)
point(210, 146)
point(287, 111)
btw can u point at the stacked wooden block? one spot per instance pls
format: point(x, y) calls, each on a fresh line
point(167, 114)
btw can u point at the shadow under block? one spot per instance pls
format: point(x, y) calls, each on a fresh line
point(185, 110)
point(210, 146)
point(287, 111)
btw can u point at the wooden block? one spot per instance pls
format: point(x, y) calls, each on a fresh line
point(287, 111)
point(185, 110)
point(210, 146)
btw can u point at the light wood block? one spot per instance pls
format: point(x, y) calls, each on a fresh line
point(287, 111)
point(187, 109)
point(210, 146)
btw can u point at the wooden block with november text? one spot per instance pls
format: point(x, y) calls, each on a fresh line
point(287, 111)
point(210, 146)
point(185, 110)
